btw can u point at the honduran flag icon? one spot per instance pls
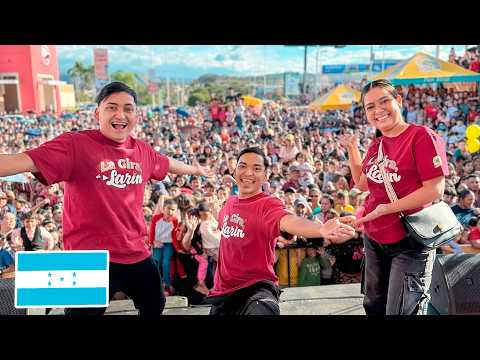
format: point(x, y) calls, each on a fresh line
point(61, 279)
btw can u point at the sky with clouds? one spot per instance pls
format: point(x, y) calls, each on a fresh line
point(191, 61)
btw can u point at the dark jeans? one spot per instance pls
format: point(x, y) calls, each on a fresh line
point(258, 299)
point(140, 281)
point(397, 278)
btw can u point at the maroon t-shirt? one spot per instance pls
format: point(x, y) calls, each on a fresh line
point(416, 155)
point(247, 245)
point(104, 187)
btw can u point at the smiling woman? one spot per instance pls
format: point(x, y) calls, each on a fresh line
point(397, 270)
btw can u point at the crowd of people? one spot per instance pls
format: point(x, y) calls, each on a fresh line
point(309, 172)
point(469, 60)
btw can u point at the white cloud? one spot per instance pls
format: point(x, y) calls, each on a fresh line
point(240, 59)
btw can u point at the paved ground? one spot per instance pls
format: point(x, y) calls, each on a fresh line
point(315, 300)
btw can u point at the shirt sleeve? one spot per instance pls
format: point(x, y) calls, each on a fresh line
point(159, 164)
point(273, 212)
point(430, 155)
point(54, 159)
point(48, 240)
point(176, 242)
point(151, 233)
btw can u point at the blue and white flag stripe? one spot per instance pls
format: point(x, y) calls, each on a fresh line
point(61, 260)
point(81, 297)
point(62, 279)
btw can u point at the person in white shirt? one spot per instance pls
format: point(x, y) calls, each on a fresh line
point(209, 231)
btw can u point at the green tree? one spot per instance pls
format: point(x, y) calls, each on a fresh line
point(132, 81)
point(126, 77)
point(83, 79)
point(208, 78)
point(198, 95)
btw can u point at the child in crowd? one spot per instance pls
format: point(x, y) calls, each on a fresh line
point(342, 202)
point(192, 242)
point(209, 232)
point(311, 266)
point(162, 234)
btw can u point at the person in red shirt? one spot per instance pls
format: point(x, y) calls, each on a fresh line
point(222, 115)
point(431, 111)
point(293, 178)
point(50, 194)
point(397, 272)
point(475, 65)
point(474, 235)
point(214, 109)
point(105, 172)
point(245, 282)
point(472, 114)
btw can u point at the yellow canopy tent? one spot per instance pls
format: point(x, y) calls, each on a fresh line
point(423, 68)
point(340, 98)
point(251, 101)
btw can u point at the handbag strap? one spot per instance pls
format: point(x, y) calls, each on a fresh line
point(392, 195)
point(386, 179)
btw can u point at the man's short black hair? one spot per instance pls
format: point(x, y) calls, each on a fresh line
point(113, 88)
point(255, 150)
point(168, 202)
point(463, 194)
point(209, 184)
point(450, 191)
point(204, 207)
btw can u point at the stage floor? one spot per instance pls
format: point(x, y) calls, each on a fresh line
point(315, 300)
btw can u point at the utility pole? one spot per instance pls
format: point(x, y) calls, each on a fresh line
point(183, 91)
point(305, 69)
point(316, 74)
point(177, 91)
point(371, 60)
point(383, 57)
point(305, 58)
point(264, 72)
point(168, 90)
point(152, 75)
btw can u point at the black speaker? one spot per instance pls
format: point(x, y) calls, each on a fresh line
point(455, 287)
point(7, 298)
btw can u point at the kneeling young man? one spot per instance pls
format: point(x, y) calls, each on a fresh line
point(245, 282)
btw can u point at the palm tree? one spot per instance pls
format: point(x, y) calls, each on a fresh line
point(89, 78)
point(83, 77)
point(75, 73)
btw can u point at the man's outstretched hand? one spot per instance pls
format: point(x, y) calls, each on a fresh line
point(339, 230)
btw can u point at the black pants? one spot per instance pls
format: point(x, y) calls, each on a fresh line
point(141, 282)
point(258, 299)
point(397, 278)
